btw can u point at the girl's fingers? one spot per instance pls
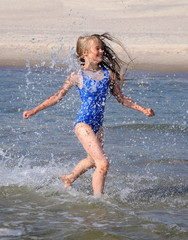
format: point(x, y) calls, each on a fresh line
point(149, 112)
point(25, 115)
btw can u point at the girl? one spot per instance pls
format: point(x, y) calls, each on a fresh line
point(100, 71)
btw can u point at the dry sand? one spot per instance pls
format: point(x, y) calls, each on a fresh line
point(155, 32)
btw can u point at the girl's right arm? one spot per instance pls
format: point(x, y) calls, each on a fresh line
point(53, 99)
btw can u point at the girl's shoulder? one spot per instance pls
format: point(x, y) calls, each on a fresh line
point(76, 78)
point(75, 75)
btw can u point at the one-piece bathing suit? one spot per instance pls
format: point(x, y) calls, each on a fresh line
point(93, 97)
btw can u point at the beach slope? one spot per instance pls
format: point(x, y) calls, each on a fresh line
point(155, 33)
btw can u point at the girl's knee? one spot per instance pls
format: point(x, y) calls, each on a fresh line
point(103, 166)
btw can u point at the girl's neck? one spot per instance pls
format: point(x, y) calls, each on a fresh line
point(91, 67)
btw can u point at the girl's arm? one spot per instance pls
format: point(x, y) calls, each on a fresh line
point(51, 100)
point(127, 102)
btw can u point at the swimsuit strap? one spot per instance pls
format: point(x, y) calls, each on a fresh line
point(105, 71)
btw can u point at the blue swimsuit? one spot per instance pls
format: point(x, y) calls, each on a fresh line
point(93, 96)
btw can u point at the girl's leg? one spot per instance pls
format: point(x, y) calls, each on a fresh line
point(83, 165)
point(80, 168)
point(93, 147)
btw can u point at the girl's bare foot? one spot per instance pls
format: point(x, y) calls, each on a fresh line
point(68, 180)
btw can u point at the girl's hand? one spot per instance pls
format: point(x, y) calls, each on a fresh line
point(149, 112)
point(27, 114)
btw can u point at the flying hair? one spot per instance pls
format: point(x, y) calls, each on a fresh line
point(111, 60)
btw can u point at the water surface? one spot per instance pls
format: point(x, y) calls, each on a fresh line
point(146, 188)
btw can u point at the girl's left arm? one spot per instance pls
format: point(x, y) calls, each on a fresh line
point(127, 102)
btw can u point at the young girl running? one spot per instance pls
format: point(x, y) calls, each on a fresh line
point(100, 71)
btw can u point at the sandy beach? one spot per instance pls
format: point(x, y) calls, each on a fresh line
point(155, 33)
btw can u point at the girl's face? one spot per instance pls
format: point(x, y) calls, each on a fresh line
point(95, 51)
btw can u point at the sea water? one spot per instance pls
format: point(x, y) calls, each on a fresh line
point(146, 189)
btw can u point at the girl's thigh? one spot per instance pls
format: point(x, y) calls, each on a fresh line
point(91, 143)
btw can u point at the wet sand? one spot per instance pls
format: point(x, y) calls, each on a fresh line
point(154, 33)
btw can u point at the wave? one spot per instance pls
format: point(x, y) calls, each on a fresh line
point(158, 127)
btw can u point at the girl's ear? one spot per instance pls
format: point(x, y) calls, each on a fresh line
point(85, 53)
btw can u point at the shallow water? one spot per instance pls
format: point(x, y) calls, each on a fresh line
point(146, 188)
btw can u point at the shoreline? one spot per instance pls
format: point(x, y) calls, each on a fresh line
point(155, 34)
point(145, 57)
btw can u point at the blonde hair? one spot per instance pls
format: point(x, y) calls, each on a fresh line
point(110, 58)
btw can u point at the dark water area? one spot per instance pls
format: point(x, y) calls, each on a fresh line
point(146, 190)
